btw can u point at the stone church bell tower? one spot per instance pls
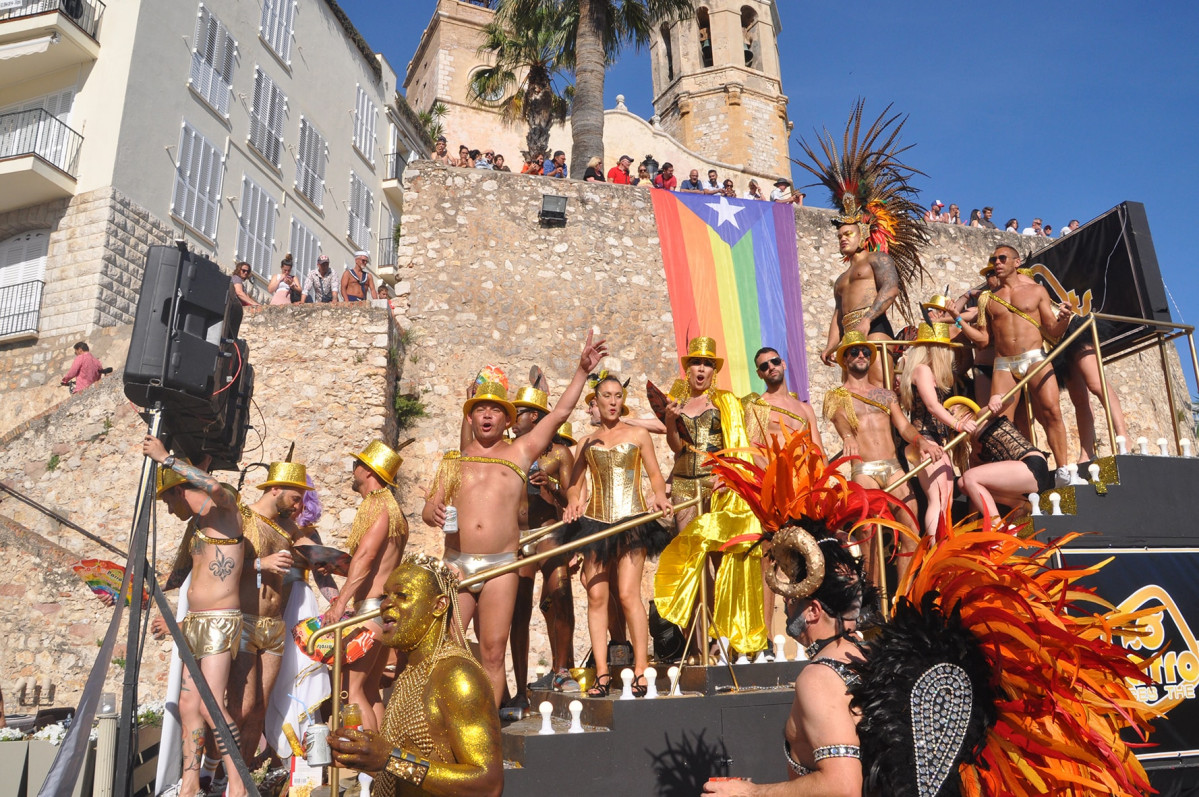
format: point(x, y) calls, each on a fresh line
point(717, 84)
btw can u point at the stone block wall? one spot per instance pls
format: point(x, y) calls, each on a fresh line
point(324, 378)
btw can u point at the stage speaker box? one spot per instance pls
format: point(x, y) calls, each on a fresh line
point(184, 312)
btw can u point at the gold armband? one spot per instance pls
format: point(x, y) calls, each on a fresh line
point(408, 767)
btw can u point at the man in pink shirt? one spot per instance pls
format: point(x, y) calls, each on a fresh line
point(85, 370)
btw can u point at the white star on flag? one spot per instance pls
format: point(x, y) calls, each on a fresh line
point(726, 212)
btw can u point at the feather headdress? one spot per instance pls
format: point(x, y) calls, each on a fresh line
point(994, 678)
point(869, 186)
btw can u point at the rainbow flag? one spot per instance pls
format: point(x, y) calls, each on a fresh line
point(732, 271)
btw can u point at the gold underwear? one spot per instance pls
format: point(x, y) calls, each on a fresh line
point(212, 633)
point(472, 563)
point(262, 634)
point(851, 318)
point(1020, 364)
point(881, 470)
point(684, 488)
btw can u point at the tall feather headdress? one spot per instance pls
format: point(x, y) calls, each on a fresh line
point(870, 187)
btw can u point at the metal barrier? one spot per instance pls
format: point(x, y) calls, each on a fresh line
point(393, 165)
point(38, 132)
point(84, 13)
point(20, 308)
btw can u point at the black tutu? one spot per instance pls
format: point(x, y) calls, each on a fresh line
point(652, 537)
point(1061, 364)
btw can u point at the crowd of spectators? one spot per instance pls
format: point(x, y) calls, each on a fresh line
point(982, 218)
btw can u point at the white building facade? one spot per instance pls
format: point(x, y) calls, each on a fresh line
point(248, 129)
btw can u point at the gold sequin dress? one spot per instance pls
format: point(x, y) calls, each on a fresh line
point(689, 477)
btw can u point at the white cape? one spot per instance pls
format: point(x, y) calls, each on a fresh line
point(170, 746)
point(303, 684)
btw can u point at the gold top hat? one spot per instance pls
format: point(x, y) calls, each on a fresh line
point(379, 457)
point(567, 433)
point(532, 398)
point(286, 474)
point(702, 348)
point(986, 270)
point(936, 333)
point(495, 393)
point(854, 338)
point(938, 302)
point(167, 478)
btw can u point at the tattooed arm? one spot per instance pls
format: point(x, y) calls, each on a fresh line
point(886, 285)
point(153, 448)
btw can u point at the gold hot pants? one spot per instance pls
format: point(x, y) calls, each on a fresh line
point(212, 633)
point(1020, 364)
point(262, 634)
point(881, 470)
point(684, 488)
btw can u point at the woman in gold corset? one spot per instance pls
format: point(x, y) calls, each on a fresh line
point(614, 456)
point(689, 477)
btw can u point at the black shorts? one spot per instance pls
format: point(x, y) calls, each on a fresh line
point(882, 324)
point(1039, 467)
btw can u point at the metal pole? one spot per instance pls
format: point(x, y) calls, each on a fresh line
point(1032, 421)
point(1161, 348)
point(880, 573)
point(888, 379)
point(1194, 357)
point(1107, 402)
point(536, 534)
point(701, 616)
point(335, 718)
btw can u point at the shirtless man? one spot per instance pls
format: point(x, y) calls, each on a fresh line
point(863, 294)
point(821, 738)
point(492, 477)
point(269, 530)
point(1016, 319)
point(357, 284)
point(863, 415)
point(213, 623)
point(764, 419)
point(376, 545)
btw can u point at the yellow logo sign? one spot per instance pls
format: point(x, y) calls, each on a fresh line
point(1175, 672)
point(1081, 306)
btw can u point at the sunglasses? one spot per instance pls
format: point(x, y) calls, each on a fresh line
point(762, 366)
point(997, 259)
point(853, 352)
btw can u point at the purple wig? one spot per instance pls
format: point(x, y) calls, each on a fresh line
point(310, 510)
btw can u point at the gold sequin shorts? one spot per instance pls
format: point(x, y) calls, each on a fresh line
point(684, 488)
point(212, 633)
point(262, 634)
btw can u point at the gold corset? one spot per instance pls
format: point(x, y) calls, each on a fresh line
point(706, 436)
point(615, 482)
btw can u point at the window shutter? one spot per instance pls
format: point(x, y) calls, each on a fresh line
point(197, 196)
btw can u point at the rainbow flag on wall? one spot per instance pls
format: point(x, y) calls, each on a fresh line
point(732, 271)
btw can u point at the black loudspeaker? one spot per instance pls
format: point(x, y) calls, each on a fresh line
point(184, 312)
point(184, 353)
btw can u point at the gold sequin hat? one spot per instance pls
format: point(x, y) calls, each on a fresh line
point(168, 478)
point(567, 433)
point(938, 302)
point(532, 398)
point(286, 474)
point(854, 338)
point(495, 393)
point(935, 334)
point(381, 459)
point(702, 348)
point(987, 270)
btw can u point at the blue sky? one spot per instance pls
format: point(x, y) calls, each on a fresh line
point(1059, 110)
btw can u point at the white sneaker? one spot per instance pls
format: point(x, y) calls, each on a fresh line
point(1062, 477)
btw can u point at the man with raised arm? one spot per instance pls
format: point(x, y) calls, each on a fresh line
point(1018, 319)
point(268, 529)
point(489, 477)
point(213, 623)
point(376, 545)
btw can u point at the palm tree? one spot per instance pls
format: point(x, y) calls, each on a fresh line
point(598, 30)
point(529, 45)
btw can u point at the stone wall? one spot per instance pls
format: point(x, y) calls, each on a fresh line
point(325, 379)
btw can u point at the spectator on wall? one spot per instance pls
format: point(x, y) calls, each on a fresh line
point(754, 191)
point(985, 221)
point(440, 153)
point(782, 192)
point(594, 173)
point(692, 185)
point(1048, 231)
point(238, 285)
point(1071, 227)
point(976, 218)
point(665, 179)
point(283, 287)
point(619, 174)
point(713, 185)
point(463, 158)
point(500, 165)
point(728, 190)
point(482, 159)
point(642, 176)
point(955, 215)
point(934, 212)
point(1035, 229)
point(321, 287)
point(555, 167)
point(1012, 226)
point(85, 369)
point(533, 165)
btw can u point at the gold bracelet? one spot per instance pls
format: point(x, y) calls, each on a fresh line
point(408, 767)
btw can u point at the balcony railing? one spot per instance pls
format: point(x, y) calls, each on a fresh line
point(20, 307)
point(387, 251)
point(393, 165)
point(85, 13)
point(37, 132)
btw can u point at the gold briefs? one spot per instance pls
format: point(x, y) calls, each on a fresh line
point(472, 563)
point(1020, 364)
point(212, 633)
point(881, 470)
point(262, 634)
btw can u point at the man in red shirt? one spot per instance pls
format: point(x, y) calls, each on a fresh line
point(85, 370)
point(619, 173)
point(665, 178)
